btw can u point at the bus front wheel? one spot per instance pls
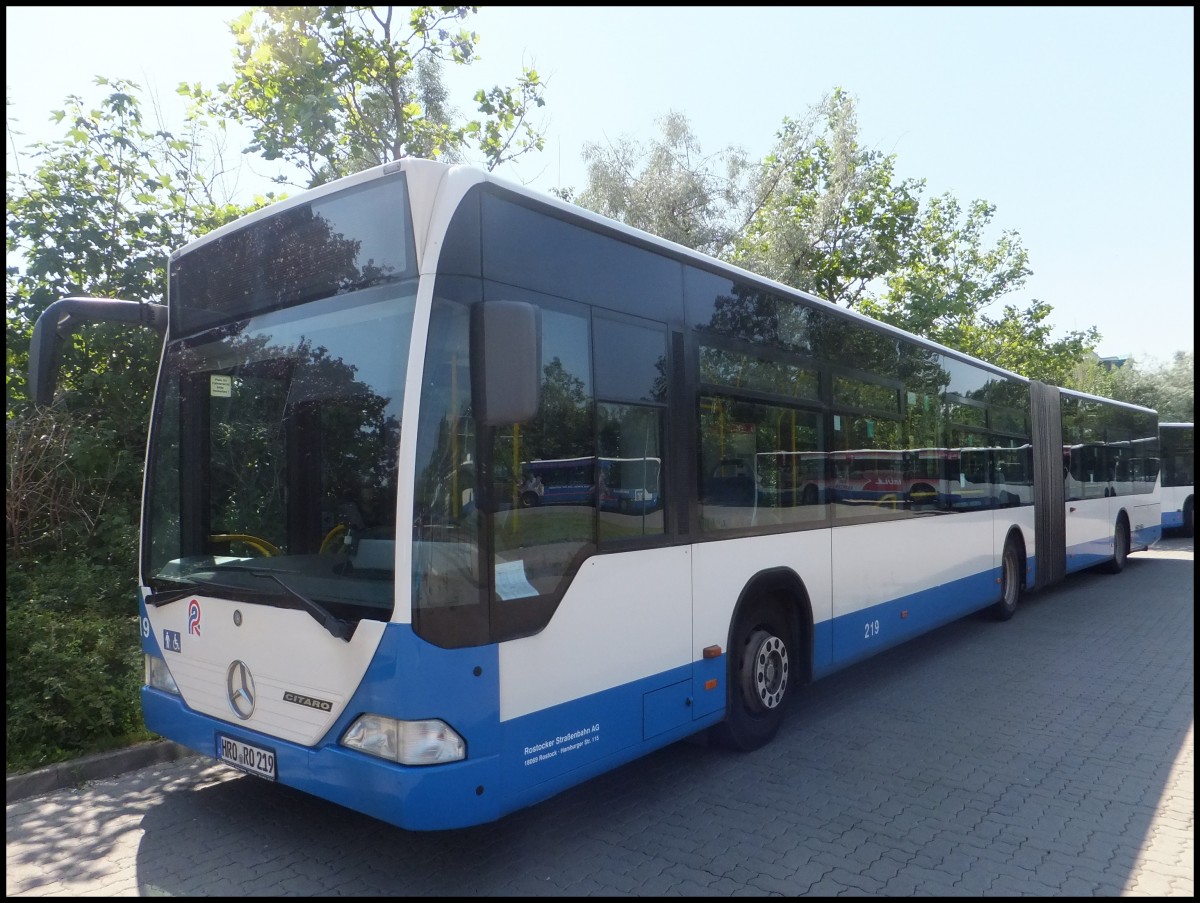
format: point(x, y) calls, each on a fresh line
point(760, 679)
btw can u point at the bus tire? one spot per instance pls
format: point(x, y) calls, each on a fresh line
point(1189, 518)
point(529, 499)
point(1120, 548)
point(760, 675)
point(1011, 582)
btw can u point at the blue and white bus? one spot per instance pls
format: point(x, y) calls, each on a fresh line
point(1177, 448)
point(338, 593)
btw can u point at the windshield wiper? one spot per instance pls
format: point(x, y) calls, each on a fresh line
point(167, 596)
point(336, 626)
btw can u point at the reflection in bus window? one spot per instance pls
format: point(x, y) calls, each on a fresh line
point(628, 478)
point(543, 481)
point(760, 465)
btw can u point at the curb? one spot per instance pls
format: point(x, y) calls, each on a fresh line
point(91, 768)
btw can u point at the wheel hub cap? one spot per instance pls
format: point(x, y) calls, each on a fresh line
point(770, 672)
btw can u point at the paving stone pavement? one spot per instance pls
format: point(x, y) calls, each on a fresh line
point(1052, 755)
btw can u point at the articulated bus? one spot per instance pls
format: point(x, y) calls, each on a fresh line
point(1177, 448)
point(338, 594)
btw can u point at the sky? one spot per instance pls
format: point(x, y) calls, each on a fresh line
point(1077, 123)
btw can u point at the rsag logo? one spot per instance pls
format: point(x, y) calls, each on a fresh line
point(194, 618)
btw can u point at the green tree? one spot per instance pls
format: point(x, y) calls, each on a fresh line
point(98, 215)
point(334, 89)
point(828, 215)
point(1169, 388)
point(831, 218)
point(1091, 376)
point(948, 276)
point(668, 186)
point(951, 277)
point(1177, 389)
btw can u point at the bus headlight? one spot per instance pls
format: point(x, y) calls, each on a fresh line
point(407, 742)
point(158, 675)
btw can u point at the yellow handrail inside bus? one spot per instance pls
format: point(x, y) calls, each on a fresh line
point(333, 534)
point(261, 544)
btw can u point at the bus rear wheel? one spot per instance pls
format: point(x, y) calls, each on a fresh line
point(1120, 548)
point(1010, 583)
point(760, 676)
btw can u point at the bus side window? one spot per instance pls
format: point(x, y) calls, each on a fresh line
point(631, 389)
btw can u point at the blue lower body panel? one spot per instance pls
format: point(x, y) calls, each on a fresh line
point(855, 637)
point(509, 765)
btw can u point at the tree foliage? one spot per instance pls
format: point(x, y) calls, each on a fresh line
point(947, 277)
point(668, 186)
point(951, 280)
point(828, 216)
point(1176, 399)
point(1021, 340)
point(98, 215)
point(1169, 388)
point(335, 89)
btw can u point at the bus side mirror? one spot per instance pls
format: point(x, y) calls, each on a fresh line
point(64, 317)
point(506, 361)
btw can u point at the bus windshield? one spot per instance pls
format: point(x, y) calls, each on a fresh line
point(275, 452)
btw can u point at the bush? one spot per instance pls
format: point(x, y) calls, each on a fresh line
point(73, 664)
point(73, 681)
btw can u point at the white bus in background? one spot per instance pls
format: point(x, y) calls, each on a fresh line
point(1177, 448)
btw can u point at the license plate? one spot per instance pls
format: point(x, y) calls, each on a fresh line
point(251, 759)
